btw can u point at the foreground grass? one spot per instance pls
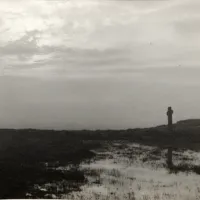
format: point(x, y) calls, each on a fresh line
point(130, 175)
point(30, 159)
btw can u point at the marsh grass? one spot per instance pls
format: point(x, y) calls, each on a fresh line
point(127, 177)
point(126, 170)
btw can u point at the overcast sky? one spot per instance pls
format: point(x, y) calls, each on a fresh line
point(73, 64)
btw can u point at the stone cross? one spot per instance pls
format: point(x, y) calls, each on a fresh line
point(169, 114)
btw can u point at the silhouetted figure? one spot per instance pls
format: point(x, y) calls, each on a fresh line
point(169, 114)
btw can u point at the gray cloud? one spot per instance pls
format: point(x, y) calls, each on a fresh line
point(98, 64)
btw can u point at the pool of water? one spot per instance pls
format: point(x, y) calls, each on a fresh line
point(138, 172)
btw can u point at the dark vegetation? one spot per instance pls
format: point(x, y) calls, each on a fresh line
point(30, 157)
point(186, 168)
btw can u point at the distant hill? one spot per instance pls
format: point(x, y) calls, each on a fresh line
point(189, 122)
point(185, 134)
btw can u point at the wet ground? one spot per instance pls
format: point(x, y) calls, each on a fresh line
point(109, 164)
point(132, 171)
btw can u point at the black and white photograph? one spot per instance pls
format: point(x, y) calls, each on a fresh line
point(100, 99)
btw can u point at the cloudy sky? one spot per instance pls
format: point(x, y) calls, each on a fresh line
point(73, 64)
